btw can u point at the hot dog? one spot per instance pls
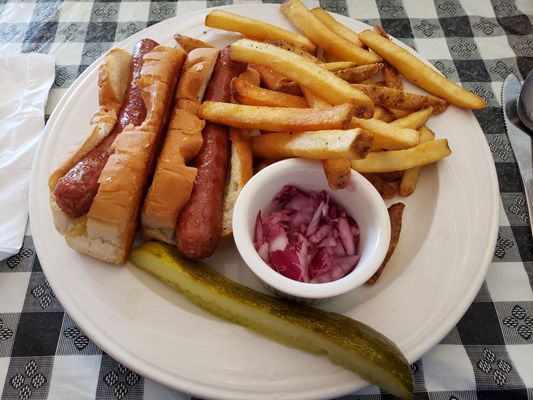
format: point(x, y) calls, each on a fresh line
point(173, 178)
point(76, 189)
point(199, 225)
point(96, 195)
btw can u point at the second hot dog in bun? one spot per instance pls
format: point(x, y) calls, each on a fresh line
point(173, 180)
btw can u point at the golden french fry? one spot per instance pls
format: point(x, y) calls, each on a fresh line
point(313, 100)
point(341, 30)
point(338, 65)
point(360, 73)
point(385, 189)
point(246, 93)
point(324, 37)
point(383, 114)
point(250, 76)
point(379, 29)
point(188, 43)
point(387, 136)
point(294, 49)
point(338, 172)
point(276, 118)
point(386, 161)
point(296, 68)
point(395, 216)
point(420, 74)
point(255, 29)
point(414, 120)
point(321, 145)
point(275, 81)
point(410, 177)
point(401, 100)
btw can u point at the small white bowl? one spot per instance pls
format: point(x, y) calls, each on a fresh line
point(363, 203)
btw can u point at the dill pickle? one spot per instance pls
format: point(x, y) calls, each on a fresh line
point(348, 343)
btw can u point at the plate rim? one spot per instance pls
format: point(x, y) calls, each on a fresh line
point(131, 360)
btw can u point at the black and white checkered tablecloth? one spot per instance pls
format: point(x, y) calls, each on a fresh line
point(488, 355)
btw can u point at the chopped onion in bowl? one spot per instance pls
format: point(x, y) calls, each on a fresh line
point(307, 237)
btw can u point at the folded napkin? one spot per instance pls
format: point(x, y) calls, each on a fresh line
point(26, 80)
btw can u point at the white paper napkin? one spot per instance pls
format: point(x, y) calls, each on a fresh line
point(26, 80)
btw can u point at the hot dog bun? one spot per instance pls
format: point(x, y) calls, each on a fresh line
point(173, 179)
point(108, 229)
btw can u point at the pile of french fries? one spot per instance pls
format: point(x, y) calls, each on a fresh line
point(335, 95)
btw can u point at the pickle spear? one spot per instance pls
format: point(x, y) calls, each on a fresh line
point(348, 343)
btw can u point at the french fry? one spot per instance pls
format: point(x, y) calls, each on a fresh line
point(275, 81)
point(188, 43)
point(418, 73)
point(351, 144)
point(393, 176)
point(360, 73)
point(313, 100)
point(395, 216)
point(387, 136)
point(339, 47)
point(338, 172)
point(401, 100)
point(398, 160)
point(246, 93)
point(338, 65)
point(296, 68)
point(294, 49)
point(414, 120)
point(276, 118)
point(250, 76)
point(410, 177)
point(255, 29)
point(383, 114)
point(335, 26)
point(385, 189)
point(391, 76)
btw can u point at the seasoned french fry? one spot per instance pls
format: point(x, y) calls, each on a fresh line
point(246, 93)
point(387, 136)
point(188, 43)
point(324, 37)
point(414, 120)
point(275, 81)
point(296, 68)
point(393, 176)
point(410, 177)
point(338, 172)
point(360, 73)
point(397, 160)
point(294, 49)
point(338, 65)
point(335, 26)
point(383, 114)
point(255, 29)
point(401, 100)
point(395, 216)
point(276, 118)
point(419, 73)
point(392, 77)
point(385, 189)
point(321, 145)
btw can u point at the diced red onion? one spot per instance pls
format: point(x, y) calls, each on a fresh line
point(307, 237)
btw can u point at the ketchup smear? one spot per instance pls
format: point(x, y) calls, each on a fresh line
point(307, 237)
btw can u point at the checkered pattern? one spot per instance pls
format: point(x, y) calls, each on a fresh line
point(488, 355)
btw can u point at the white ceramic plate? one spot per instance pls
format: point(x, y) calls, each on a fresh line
point(439, 265)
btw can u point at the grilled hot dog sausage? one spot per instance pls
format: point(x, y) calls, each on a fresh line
point(75, 191)
point(199, 225)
